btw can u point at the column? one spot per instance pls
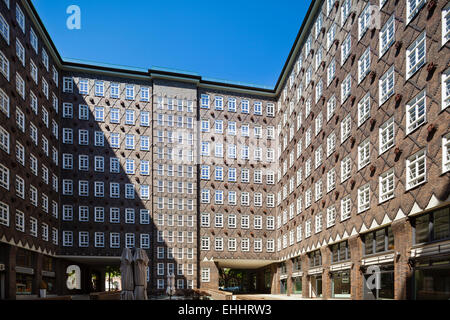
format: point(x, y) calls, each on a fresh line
point(356, 276)
point(275, 279)
point(402, 231)
point(37, 272)
point(326, 280)
point(11, 274)
point(306, 292)
point(289, 284)
point(213, 275)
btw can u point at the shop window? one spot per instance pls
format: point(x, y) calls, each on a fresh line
point(297, 288)
point(433, 226)
point(283, 268)
point(340, 284)
point(432, 279)
point(24, 284)
point(340, 252)
point(380, 240)
point(385, 289)
point(296, 264)
point(47, 263)
point(315, 259)
point(24, 258)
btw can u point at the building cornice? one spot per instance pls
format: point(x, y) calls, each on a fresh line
point(182, 77)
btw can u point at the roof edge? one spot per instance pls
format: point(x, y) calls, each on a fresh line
point(180, 76)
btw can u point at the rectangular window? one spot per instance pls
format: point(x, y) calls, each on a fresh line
point(129, 92)
point(445, 24)
point(416, 55)
point(364, 154)
point(386, 85)
point(364, 65)
point(346, 207)
point(345, 10)
point(446, 153)
point(67, 85)
point(364, 109)
point(416, 112)
point(20, 86)
point(433, 226)
point(412, 8)
point(387, 135)
point(20, 52)
point(345, 48)
point(83, 86)
point(386, 186)
point(204, 101)
point(99, 88)
point(4, 29)
point(363, 21)
point(346, 128)
point(363, 198)
point(416, 170)
point(387, 35)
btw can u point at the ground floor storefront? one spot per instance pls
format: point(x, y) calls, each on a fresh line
point(406, 259)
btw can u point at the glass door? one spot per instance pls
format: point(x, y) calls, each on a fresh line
point(319, 286)
point(283, 284)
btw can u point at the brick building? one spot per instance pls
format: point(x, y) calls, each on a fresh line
point(334, 184)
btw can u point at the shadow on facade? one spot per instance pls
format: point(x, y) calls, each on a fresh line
point(92, 260)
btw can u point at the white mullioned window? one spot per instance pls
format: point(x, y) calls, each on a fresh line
point(331, 71)
point(346, 128)
point(346, 168)
point(346, 208)
point(416, 171)
point(412, 8)
point(318, 223)
point(345, 10)
point(331, 107)
point(445, 85)
point(4, 28)
point(416, 55)
point(331, 34)
point(364, 198)
point(446, 24)
point(4, 103)
point(446, 153)
point(345, 48)
point(386, 85)
point(387, 135)
point(331, 144)
point(346, 87)
point(331, 216)
point(364, 109)
point(387, 182)
point(4, 65)
point(416, 112)
point(331, 180)
point(364, 154)
point(387, 35)
point(364, 21)
point(364, 65)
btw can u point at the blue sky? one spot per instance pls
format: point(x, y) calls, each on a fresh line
point(244, 41)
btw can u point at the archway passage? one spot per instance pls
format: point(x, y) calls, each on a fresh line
point(242, 276)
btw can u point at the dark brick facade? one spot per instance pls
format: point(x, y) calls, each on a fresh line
point(393, 223)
